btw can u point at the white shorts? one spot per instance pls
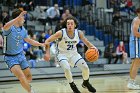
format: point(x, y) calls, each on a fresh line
point(72, 58)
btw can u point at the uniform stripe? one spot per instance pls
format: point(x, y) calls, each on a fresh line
point(136, 47)
point(77, 62)
point(5, 44)
point(63, 59)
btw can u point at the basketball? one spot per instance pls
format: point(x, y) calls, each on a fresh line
point(92, 55)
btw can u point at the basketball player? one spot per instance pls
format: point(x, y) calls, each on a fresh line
point(134, 46)
point(68, 37)
point(14, 36)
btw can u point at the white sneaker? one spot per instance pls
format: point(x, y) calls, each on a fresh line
point(32, 91)
point(132, 85)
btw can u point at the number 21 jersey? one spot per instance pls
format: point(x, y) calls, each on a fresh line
point(67, 44)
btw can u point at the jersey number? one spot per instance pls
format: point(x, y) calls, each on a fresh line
point(70, 47)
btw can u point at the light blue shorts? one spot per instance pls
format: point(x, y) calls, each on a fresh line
point(19, 59)
point(134, 48)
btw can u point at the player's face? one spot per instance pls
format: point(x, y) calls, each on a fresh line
point(70, 25)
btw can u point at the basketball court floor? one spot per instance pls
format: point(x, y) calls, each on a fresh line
point(114, 83)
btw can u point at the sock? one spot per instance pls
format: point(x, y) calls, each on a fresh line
point(85, 81)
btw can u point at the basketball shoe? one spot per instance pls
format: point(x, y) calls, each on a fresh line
point(32, 91)
point(87, 85)
point(132, 85)
point(74, 87)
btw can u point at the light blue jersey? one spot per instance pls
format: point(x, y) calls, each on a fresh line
point(134, 43)
point(14, 39)
point(13, 47)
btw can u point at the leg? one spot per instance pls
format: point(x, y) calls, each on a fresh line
point(133, 73)
point(66, 67)
point(85, 70)
point(134, 68)
point(109, 59)
point(125, 58)
point(116, 59)
point(16, 70)
point(85, 73)
point(28, 74)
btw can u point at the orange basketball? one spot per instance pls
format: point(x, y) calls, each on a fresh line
point(92, 55)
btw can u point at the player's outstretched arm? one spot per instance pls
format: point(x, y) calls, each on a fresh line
point(14, 21)
point(47, 44)
point(54, 37)
point(33, 42)
point(47, 53)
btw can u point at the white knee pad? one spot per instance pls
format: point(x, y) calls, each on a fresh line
point(66, 67)
point(84, 67)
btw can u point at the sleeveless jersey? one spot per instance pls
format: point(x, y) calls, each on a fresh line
point(67, 44)
point(134, 43)
point(14, 39)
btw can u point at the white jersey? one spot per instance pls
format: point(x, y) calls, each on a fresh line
point(67, 44)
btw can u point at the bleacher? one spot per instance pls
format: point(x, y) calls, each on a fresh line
point(98, 30)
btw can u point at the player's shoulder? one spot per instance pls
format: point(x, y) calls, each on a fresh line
point(80, 32)
point(136, 20)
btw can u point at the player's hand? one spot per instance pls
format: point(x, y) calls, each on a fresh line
point(22, 13)
point(42, 44)
point(47, 57)
point(93, 47)
point(21, 16)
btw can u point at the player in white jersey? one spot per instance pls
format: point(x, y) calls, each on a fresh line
point(68, 56)
point(134, 46)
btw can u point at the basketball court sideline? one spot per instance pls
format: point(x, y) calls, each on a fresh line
point(115, 83)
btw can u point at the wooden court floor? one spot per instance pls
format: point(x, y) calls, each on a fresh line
point(104, 84)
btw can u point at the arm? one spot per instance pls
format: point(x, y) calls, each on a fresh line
point(85, 40)
point(33, 42)
point(14, 21)
point(54, 37)
point(47, 44)
point(135, 28)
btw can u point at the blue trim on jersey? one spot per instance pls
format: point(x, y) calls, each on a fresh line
point(68, 35)
point(78, 34)
point(77, 62)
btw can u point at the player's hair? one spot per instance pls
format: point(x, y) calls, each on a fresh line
point(64, 24)
point(138, 10)
point(16, 13)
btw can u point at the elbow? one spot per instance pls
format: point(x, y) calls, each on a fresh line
point(5, 27)
point(136, 35)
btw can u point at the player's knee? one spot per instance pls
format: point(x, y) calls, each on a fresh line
point(82, 65)
point(22, 78)
point(66, 70)
point(29, 77)
point(85, 67)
